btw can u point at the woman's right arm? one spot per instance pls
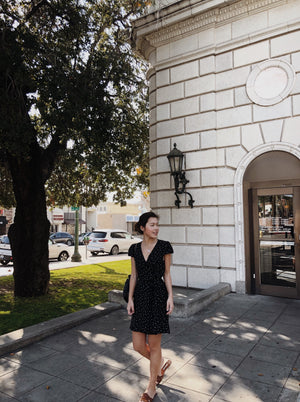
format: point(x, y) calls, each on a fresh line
point(132, 283)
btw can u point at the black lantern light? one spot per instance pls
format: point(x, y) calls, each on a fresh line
point(176, 159)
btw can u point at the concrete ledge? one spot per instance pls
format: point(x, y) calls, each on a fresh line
point(187, 302)
point(24, 337)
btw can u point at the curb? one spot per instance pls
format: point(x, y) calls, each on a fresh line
point(24, 337)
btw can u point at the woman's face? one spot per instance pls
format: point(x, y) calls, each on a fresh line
point(152, 228)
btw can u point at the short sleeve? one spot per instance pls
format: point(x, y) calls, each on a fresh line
point(131, 250)
point(168, 249)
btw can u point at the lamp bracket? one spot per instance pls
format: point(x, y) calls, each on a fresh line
point(180, 179)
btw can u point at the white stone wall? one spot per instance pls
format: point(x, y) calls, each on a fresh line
point(198, 100)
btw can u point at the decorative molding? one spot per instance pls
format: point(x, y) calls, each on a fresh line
point(215, 16)
point(270, 82)
point(238, 199)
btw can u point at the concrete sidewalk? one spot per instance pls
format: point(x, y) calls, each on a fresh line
point(240, 348)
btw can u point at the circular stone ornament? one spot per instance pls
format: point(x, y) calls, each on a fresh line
point(270, 82)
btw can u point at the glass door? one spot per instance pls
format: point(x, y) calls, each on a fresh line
point(276, 242)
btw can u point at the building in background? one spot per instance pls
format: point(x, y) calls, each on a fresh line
point(224, 84)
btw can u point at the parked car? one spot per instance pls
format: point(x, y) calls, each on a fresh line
point(62, 237)
point(112, 241)
point(57, 251)
point(82, 236)
point(5, 250)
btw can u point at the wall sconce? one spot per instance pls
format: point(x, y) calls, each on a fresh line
point(176, 158)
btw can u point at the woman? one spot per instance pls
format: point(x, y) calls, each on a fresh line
point(150, 300)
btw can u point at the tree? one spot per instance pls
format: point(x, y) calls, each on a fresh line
point(72, 101)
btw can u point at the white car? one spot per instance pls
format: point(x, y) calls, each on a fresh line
point(112, 241)
point(57, 251)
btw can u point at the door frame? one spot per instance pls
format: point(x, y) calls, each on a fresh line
point(252, 257)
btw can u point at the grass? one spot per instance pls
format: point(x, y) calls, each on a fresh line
point(70, 290)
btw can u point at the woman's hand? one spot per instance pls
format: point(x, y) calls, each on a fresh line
point(170, 305)
point(130, 307)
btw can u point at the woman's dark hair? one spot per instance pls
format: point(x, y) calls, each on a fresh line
point(143, 221)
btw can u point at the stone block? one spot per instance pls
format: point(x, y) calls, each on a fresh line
point(170, 128)
point(282, 109)
point(202, 121)
point(228, 136)
point(228, 276)
point(223, 33)
point(249, 25)
point(164, 216)
point(272, 130)
point(296, 61)
point(225, 195)
point(152, 133)
point(226, 235)
point(179, 275)
point(224, 99)
point(296, 88)
point(163, 112)
point(163, 78)
point(227, 257)
point(206, 37)
point(186, 216)
point(207, 65)
point(225, 176)
point(163, 52)
point(210, 216)
point(187, 255)
point(200, 85)
point(187, 142)
point(208, 139)
point(284, 44)
point(209, 177)
point(163, 181)
point(162, 164)
point(232, 79)
point(211, 257)
point(184, 45)
point(152, 100)
point(163, 146)
point(226, 216)
point(203, 278)
point(234, 155)
point(173, 234)
point(204, 196)
point(224, 61)
point(251, 54)
point(284, 13)
point(221, 156)
point(165, 198)
point(241, 97)
point(185, 71)
point(153, 182)
point(234, 116)
point(208, 102)
point(170, 93)
point(296, 105)
point(291, 131)
point(201, 159)
point(185, 107)
point(193, 176)
point(251, 136)
point(202, 235)
point(153, 166)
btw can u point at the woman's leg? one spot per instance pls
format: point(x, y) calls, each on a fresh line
point(155, 362)
point(140, 345)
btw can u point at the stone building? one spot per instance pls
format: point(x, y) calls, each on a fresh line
point(224, 82)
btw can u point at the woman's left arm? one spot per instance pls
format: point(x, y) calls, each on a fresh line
point(168, 282)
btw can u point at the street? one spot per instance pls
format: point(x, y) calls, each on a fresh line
point(86, 256)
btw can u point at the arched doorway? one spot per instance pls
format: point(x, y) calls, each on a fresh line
point(271, 193)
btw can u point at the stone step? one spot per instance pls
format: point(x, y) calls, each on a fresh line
point(187, 302)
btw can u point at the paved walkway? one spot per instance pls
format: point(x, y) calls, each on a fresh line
point(240, 348)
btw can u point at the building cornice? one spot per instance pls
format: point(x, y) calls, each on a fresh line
point(160, 28)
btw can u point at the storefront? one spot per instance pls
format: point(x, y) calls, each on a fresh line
point(225, 87)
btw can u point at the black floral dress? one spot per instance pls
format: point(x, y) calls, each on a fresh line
point(150, 293)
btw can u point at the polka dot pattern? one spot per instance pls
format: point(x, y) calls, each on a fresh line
point(150, 294)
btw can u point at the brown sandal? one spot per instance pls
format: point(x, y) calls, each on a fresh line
point(146, 398)
point(163, 370)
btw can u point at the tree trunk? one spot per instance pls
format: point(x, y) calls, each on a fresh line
point(29, 233)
